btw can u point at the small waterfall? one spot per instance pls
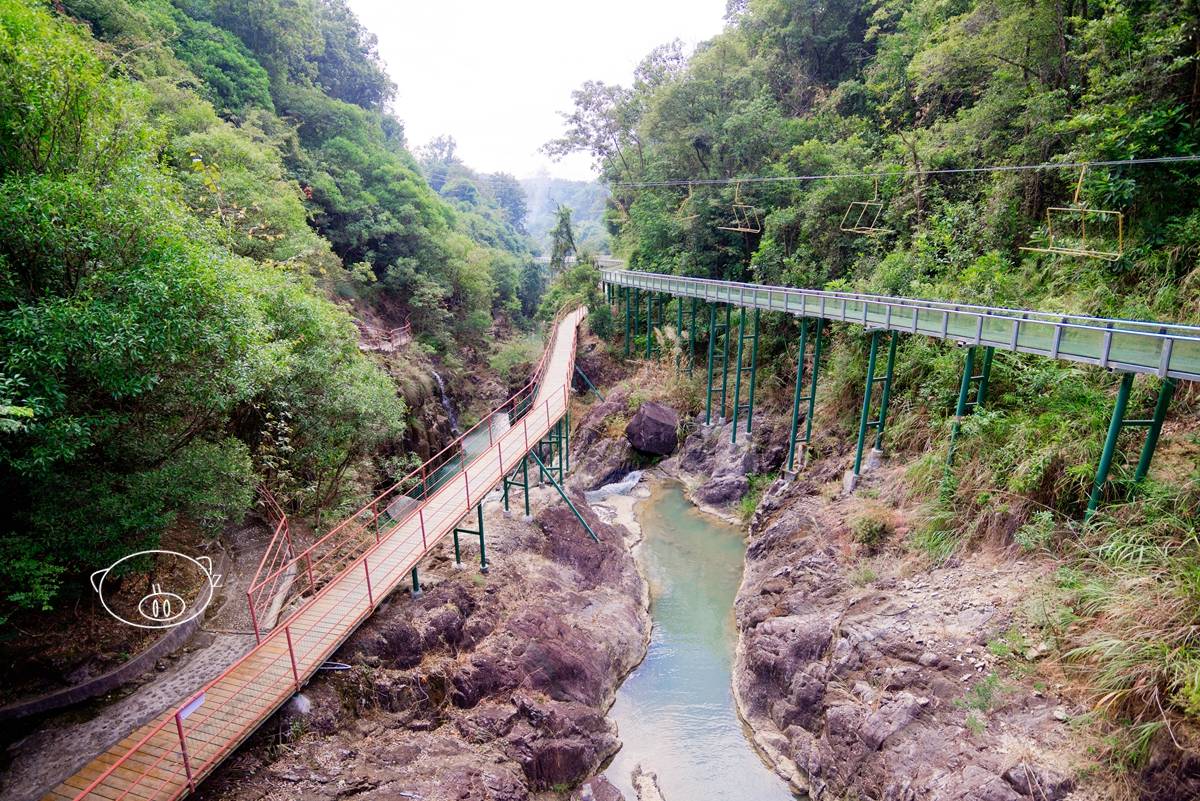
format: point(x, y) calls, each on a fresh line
point(616, 488)
point(445, 399)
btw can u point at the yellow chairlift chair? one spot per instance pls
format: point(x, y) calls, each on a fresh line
point(862, 216)
point(1067, 230)
point(745, 216)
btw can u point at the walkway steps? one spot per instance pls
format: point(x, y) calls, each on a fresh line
point(149, 765)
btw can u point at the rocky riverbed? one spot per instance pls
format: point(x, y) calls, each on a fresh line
point(876, 675)
point(486, 687)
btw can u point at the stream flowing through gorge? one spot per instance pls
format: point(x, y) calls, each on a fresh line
point(675, 712)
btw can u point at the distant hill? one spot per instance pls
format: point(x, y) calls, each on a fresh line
point(586, 199)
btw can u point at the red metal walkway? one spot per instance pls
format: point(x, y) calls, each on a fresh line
point(348, 573)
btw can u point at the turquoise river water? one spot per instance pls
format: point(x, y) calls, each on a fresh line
point(676, 712)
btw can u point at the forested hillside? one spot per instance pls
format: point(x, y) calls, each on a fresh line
point(192, 194)
point(793, 89)
point(585, 199)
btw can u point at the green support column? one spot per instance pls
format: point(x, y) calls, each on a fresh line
point(712, 336)
point(737, 379)
point(525, 484)
point(416, 584)
point(473, 532)
point(752, 369)
point(628, 320)
point(567, 441)
point(649, 324)
point(960, 409)
point(881, 423)
point(866, 407)
point(789, 465)
point(1110, 443)
point(692, 338)
point(984, 376)
point(637, 310)
point(1160, 414)
point(679, 332)
point(816, 372)
point(483, 562)
point(725, 363)
point(753, 376)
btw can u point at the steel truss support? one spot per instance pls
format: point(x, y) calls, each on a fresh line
point(880, 423)
point(752, 370)
point(510, 481)
point(589, 383)
point(798, 397)
point(718, 351)
point(1153, 428)
point(416, 584)
point(964, 392)
point(548, 474)
point(483, 564)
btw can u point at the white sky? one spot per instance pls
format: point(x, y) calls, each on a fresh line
point(494, 73)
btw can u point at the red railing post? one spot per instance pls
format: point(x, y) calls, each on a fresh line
point(287, 632)
point(421, 517)
point(312, 584)
point(187, 764)
point(525, 424)
point(253, 614)
point(375, 514)
point(500, 459)
point(370, 594)
point(467, 486)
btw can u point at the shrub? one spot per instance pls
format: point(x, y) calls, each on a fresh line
point(871, 528)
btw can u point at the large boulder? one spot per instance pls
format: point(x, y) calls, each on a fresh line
point(654, 429)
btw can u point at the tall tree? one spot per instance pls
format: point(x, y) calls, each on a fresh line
point(562, 240)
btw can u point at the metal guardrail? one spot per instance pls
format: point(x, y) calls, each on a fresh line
point(1133, 346)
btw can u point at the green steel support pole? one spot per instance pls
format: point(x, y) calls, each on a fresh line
point(416, 584)
point(457, 550)
point(753, 376)
point(1160, 414)
point(637, 310)
point(628, 320)
point(589, 383)
point(866, 407)
point(549, 477)
point(1110, 443)
point(525, 479)
point(712, 334)
point(725, 365)
point(789, 465)
point(566, 440)
point(984, 375)
point(887, 392)
point(483, 563)
point(679, 332)
point(692, 338)
point(737, 379)
point(960, 409)
point(649, 324)
point(816, 371)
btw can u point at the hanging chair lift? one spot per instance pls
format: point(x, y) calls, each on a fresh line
point(745, 216)
point(862, 216)
point(1067, 230)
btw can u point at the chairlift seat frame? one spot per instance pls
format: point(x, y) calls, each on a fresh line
point(1080, 212)
point(867, 221)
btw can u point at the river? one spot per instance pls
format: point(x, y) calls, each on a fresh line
point(675, 712)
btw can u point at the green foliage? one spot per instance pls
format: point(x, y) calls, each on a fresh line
point(871, 528)
point(151, 372)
